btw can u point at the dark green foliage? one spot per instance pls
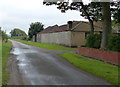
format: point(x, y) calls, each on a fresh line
point(116, 12)
point(114, 43)
point(93, 40)
point(3, 35)
point(90, 40)
point(97, 40)
point(34, 29)
point(114, 23)
point(18, 34)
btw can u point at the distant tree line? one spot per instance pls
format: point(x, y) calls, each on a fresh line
point(33, 30)
point(18, 34)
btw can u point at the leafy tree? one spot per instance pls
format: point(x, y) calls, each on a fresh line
point(116, 12)
point(114, 43)
point(17, 32)
point(3, 36)
point(93, 40)
point(107, 26)
point(116, 16)
point(34, 29)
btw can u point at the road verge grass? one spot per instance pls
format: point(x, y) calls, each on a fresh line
point(44, 45)
point(6, 47)
point(0, 63)
point(101, 69)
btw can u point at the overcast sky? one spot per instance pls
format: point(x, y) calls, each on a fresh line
point(21, 13)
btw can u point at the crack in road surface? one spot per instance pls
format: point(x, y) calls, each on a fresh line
point(30, 65)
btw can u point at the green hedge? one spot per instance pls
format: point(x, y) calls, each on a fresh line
point(93, 40)
point(114, 42)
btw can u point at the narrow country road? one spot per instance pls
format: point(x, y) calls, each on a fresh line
point(30, 65)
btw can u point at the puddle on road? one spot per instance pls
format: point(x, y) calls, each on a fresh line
point(23, 61)
point(28, 70)
point(18, 51)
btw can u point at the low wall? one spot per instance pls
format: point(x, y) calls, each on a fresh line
point(107, 56)
point(63, 38)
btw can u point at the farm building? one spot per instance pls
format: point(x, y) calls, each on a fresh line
point(71, 34)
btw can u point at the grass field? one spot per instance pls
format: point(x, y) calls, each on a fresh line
point(6, 47)
point(0, 63)
point(44, 45)
point(98, 68)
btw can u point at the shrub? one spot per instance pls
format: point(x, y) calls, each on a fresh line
point(114, 43)
point(93, 40)
point(3, 36)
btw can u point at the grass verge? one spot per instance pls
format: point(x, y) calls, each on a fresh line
point(6, 47)
point(0, 63)
point(44, 45)
point(98, 68)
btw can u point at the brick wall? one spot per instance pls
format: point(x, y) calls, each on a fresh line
point(107, 56)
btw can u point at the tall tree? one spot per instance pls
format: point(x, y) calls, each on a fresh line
point(34, 29)
point(91, 11)
point(106, 20)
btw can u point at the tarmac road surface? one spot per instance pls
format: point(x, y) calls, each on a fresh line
point(30, 65)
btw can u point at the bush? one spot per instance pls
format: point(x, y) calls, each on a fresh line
point(114, 43)
point(93, 40)
point(3, 36)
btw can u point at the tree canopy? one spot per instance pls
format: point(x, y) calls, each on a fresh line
point(17, 32)
point(3, 35)
point(34, 29)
